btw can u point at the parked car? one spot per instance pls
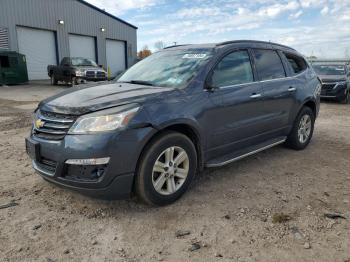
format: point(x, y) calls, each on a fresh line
point(74, 69)
point(335, 78)
point(172, 114)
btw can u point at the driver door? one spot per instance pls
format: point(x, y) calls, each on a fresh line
point(238, 119)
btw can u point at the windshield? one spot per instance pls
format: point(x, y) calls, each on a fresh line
point(78, 61)
point(167, 68)
point(329, 69)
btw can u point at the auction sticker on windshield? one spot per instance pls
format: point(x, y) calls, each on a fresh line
point(195, 56)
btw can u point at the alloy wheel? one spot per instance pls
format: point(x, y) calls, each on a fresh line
point(170, 170)
point(304, 130)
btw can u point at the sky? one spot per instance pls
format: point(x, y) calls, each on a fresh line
point(313, 27)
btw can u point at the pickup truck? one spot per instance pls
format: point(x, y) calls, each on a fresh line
point(73, 70)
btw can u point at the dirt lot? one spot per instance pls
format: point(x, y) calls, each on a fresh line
point(230, 212)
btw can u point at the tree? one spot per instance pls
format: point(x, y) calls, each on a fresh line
point(144, 52)
point(159, 45)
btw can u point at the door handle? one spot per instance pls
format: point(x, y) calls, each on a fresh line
point(255, 96)
point(291, 89)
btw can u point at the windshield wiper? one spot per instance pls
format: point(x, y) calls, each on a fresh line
point(138, 82)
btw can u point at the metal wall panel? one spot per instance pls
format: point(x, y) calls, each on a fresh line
point(4, 38)
point(78, 18)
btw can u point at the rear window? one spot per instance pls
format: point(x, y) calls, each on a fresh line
point(268, 64)
point(296, 63)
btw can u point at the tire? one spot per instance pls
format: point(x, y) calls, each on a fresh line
point(346, 99)
point(299, 136)
point(164, 183)
point(73, 81)
point(54, 82)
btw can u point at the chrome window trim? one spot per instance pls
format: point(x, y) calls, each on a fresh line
point(263, 81)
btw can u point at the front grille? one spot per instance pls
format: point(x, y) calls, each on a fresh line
point(328, 86)
point(55, 126)
point(90, 74)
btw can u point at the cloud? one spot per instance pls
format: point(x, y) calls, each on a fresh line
point(325, 10)
point(312, 26)
point(121, 6)
point(296, 15)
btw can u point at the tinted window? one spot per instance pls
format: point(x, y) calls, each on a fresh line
point(65, 61)
point(268, 64)
point(233, 69)
point(297, 63)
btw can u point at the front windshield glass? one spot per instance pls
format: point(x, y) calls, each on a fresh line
point(79, 61)
point(329, 69)
point(167, 68)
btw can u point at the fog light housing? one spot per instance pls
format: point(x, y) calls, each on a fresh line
point(88, 162)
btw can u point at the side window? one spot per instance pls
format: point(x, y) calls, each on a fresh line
point(65, 61)
point(268, 64)
point(297, 63)
point(233, 69)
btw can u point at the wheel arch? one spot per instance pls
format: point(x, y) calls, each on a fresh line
point(183, 127)
point(311, 104)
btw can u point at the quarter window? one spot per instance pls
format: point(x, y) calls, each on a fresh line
point(296, 63)
point(233, 69)
point(268, 64)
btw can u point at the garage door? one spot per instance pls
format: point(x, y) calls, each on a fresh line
point(115, 52)
point(82, 46)
point(39, 47)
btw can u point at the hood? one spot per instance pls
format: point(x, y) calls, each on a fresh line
point(78, 101)
point(332, 78)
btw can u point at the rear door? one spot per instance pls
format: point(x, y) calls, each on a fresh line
point(278, 91)
point(238, 119)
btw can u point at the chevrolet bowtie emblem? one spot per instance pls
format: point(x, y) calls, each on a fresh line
point(39, 123)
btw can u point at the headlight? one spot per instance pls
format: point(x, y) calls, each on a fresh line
point(80, 72)
point(341, 83)
point(102, 122)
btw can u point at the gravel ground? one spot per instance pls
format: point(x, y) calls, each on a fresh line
point(267, 207)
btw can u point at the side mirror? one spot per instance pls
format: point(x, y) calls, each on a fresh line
point(209, 85)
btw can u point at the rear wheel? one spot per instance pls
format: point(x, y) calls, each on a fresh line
point(166, 169)
point(302, 130)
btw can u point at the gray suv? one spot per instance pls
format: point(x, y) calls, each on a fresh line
point(171, 115)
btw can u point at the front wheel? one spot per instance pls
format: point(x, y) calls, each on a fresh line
point(302, 130)
point(166, 169)
point(54, 82)
point(74, 81)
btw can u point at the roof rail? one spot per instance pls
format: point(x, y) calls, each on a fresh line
point(172, 46)
point(252, 41)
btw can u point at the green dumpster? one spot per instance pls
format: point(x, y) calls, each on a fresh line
point(13, 68)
